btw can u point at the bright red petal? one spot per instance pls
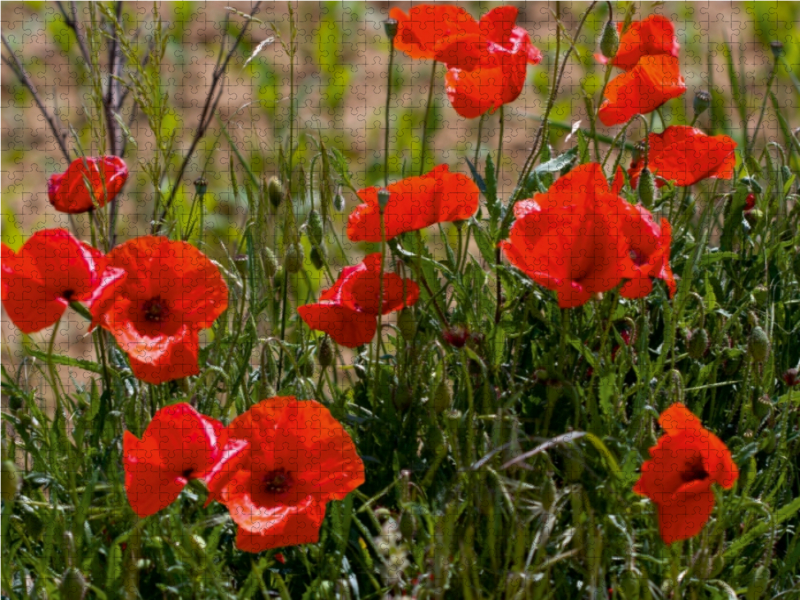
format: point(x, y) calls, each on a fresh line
point(346, 326)
point(148, 485)
point(106, 175)
point(653, 36)
point(686, 513)
point(426, 25)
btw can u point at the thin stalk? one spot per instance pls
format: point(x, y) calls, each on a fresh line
point(386, 115)
point(500, 145)
point(478, 145)
point(425, 122)
point(763, 109)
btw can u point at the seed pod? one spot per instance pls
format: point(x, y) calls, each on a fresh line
point(384, 196)
point(318, 256)
point(698, 343)
point(390, 25)
point(73, 585)
point(10, 482)
point(630, 584)
point(758, 345)
point(609, 40)
point(338, 201)
point(269, 261)
point(442, 398)
point(325, 354)
point(702, 101)
point(777, 49)
point(762, 406)
point(295, 256)
point(314, 228)
point(758, 584)
point(200, 186)
point(275, 191)
point(407, 324)
point(647, 187)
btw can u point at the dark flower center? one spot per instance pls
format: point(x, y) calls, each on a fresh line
point(155, 310)
point(694, 470)
point(187, 473)
point(277, 481)
point(67, 294)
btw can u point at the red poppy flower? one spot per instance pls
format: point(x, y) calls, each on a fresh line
point(678, 477)
point(653, 36)
point(415, 203)
point(172, 292)
point(686, 155)
point(570, 238)
point(649, 248)
point(300, 458)
point(427, 25)
point(653, 81)
point(68, 192)
point(179, 444)
point(487, 64)
point(348, 311)
point(51, 270)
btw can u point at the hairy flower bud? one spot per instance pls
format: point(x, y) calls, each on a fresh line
point(200, 186)
point(630, 583)
point(10, 481)
point(338, 201)
point(791, 377)
point(295, 255)
point(269, 261)
point(314, 228)
point(609, 40)
point(318, 256)
point(73, 585)
point(407, 324)
point(275, 191)
point(647, 187)
point(325, 355)
point(758, 344)
point(702, 102)
point(442, 399)
point(698, 343)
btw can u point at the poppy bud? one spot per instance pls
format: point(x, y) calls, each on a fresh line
point(200, 186)
point(407, 324)
point(10, 482)
point(758, 344)
point(240, 260)
point(275, 191)
point(307, 368)
point(609, 40)
point(33, 525)
point(314, 228)
point(786, 172)
point(630, 584)
point(647, 187)
point(277, 281)
point(73, 585)
point(295, 255)
point(269, 261)
point(407, 525)
point(749, 202)
point(698, 343)
point(573, 467)
point(401, 398)
point(753, 216)
point(752, 184)
point(390, 25)
point(319, 256)
point(761, 294)
point(384, 196)
point(777, 49)
point(442, 399)
point(325, 354)
point(456, 335)
point(791, 377)
point(702, 101)
point(758, 584)
point(338, 201)
point(762, 406)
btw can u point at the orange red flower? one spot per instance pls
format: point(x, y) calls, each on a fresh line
point(172, 291)
point(570, 239)
point(427, 25)
point(653, 36)
point(348, 311)
point(299, 459)
point(52, 269)
point(487, 63)
point(678, 477)
point(179, 444)
point(648, 85)
point(415, 203)
point(649, 249)
point(68, 192)
point(686, 155)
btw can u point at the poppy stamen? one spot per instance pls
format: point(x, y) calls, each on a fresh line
point(187, 473)
point(155, 310)
point(277, 481)
point(694, 470)
point(67, 294)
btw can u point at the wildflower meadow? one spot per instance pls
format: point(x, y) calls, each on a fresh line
point(400, 300)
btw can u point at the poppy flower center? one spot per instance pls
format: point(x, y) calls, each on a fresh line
point(155, 310)
point(277, 481)
point(67, 294)
point(694, 470)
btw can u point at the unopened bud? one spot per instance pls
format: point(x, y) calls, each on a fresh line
point(390, 25)
point(758, 345)
point(407, 324)
point(338, 201)
point(442, 399)
point(319, 257)
point(384, 196)
point(548, 493)
point(401, 398)
point(307, 368)
point(758, 584)
point(295, 255)
point(10, 481)
point(777, 49)
point(609, 40)
point(73, 585)
point(791, 377)
point(200, 186)
point(630, 583)
point(753, 216)
point(647, 188)
point(786, 172)
point(269, 260)
point(275, 191)
point(314, 228)
point(698, 343)
point(702, 102)
point(325, 355)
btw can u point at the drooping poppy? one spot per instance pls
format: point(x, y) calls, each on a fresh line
point(653, 81)
point(52, 269)
point(179, 444)
point(68, 192)
point(172, 291)
point(415, 203)
point(570, 239)
point(686, 155)
point(299, 459)
point(427, 25)
point(487, 64)
point(652, 36)
point(678, 476)
point(348, 311)
point(649, 248)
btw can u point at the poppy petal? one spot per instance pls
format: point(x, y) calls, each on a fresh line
point(346, 326)
point(686, 513)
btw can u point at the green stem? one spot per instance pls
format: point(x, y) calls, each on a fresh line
point(500, 146)
point(478, 145)
point(425, 122)
point(283, 323)
point(386, 115)
point(752, 143)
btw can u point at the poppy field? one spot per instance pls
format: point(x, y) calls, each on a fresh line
point(430, 301)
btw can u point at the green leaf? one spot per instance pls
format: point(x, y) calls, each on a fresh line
point(558, 163)
point(71, 362)
point(786, 512)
